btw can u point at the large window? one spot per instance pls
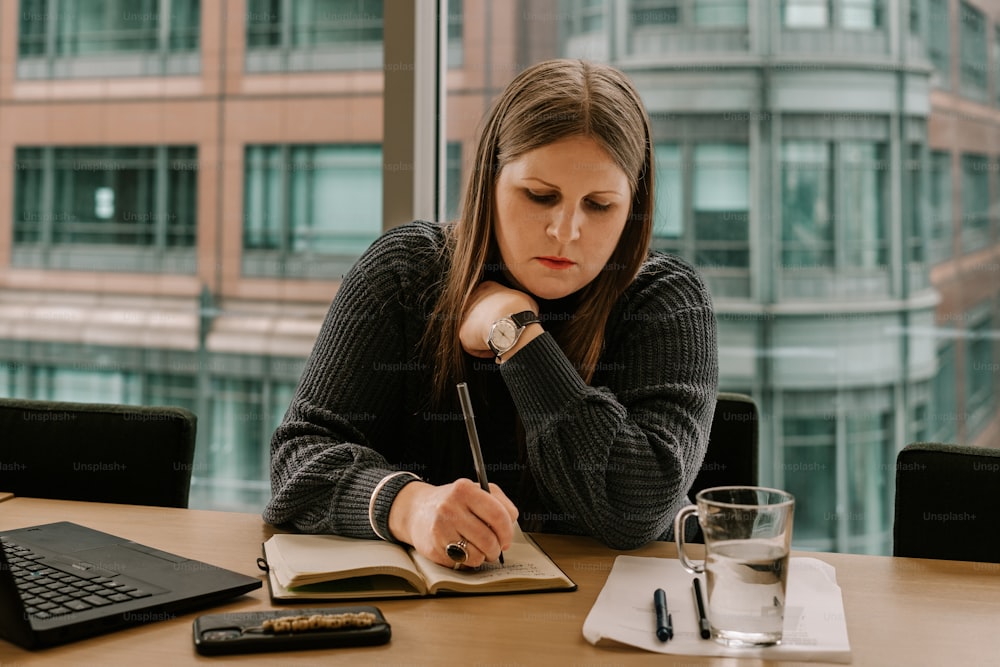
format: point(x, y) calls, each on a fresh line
point(130, 208)
point(306, 205)
point(183, 247)
point(65, 38)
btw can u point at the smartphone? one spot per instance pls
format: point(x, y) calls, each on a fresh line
point(238, 632)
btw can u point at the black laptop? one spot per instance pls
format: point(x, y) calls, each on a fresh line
point(60, 582)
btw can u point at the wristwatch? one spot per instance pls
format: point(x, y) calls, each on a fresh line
point(505, 331)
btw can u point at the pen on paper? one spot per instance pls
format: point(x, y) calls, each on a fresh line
point(699, 603)
point(470, 427)
point(664, 621)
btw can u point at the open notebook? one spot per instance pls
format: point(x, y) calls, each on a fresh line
point(316, 567)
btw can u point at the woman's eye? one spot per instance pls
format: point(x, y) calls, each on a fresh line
point(541, 198)
point(597, 206)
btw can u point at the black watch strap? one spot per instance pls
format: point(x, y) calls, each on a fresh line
point(524, 318)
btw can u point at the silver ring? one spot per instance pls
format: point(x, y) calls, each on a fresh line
point(456, 551)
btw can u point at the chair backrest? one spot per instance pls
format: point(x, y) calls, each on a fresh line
point(731, 458)
point(947, 503)
point(137, 455)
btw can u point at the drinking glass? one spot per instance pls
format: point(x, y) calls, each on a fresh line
point(748, 536)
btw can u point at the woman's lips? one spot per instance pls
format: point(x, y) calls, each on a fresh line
point(557, 263)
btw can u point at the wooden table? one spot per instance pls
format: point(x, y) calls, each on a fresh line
point(900, 611)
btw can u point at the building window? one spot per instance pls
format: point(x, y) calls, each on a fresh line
point(456, 31)
point(981, 374)
point(827, 183)
point(975, 202)
point(914, 209)
point(585, 16)
point(869, 454)
point(944, 418)
point(669, 200)
point(708, 13)
point(71, 38)
point(805, 13)
point(720, 12)
point(806, 211)
point(810, 474)
point(973, 55)
point(996, 64)
point(307, 204)
point(939, 40)
point(290, 35)
point(940, 201)
point(721, 205)
point(129, 208)
point(861, 14)
point(863, 172)
point(656, 12)
point(453, 180)
point(53, 383)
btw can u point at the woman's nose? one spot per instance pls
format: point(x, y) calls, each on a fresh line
point(565, 224)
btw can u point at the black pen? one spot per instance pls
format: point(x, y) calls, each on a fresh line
point(664, 622)
point(699, 604)
point(470, 427)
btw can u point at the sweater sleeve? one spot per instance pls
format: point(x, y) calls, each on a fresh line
point(616, 460)
point(324, 466)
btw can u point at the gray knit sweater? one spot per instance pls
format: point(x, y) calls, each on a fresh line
point(613, 459)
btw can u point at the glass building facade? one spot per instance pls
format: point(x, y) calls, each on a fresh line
point(189, 181)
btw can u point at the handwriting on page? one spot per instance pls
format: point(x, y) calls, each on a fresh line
point(492, 571)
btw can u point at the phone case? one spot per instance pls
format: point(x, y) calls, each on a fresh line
point(240, 632)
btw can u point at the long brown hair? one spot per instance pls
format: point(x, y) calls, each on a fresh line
point(549, 101)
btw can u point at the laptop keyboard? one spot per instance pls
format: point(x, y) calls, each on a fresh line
point(48, 592)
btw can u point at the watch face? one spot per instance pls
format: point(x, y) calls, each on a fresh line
point(504, 334)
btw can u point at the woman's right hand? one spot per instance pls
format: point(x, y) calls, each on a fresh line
point(432, 517)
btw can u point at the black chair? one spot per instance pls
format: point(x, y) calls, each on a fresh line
point(947, 503)
point(137, 455)
point(731, 458)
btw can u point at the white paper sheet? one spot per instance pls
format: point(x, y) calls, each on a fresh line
point(814, 629)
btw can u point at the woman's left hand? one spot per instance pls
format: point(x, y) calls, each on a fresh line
point(490, 301)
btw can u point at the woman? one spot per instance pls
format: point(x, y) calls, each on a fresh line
point(591, 361)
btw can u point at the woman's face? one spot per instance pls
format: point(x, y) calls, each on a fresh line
point(560, 210)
